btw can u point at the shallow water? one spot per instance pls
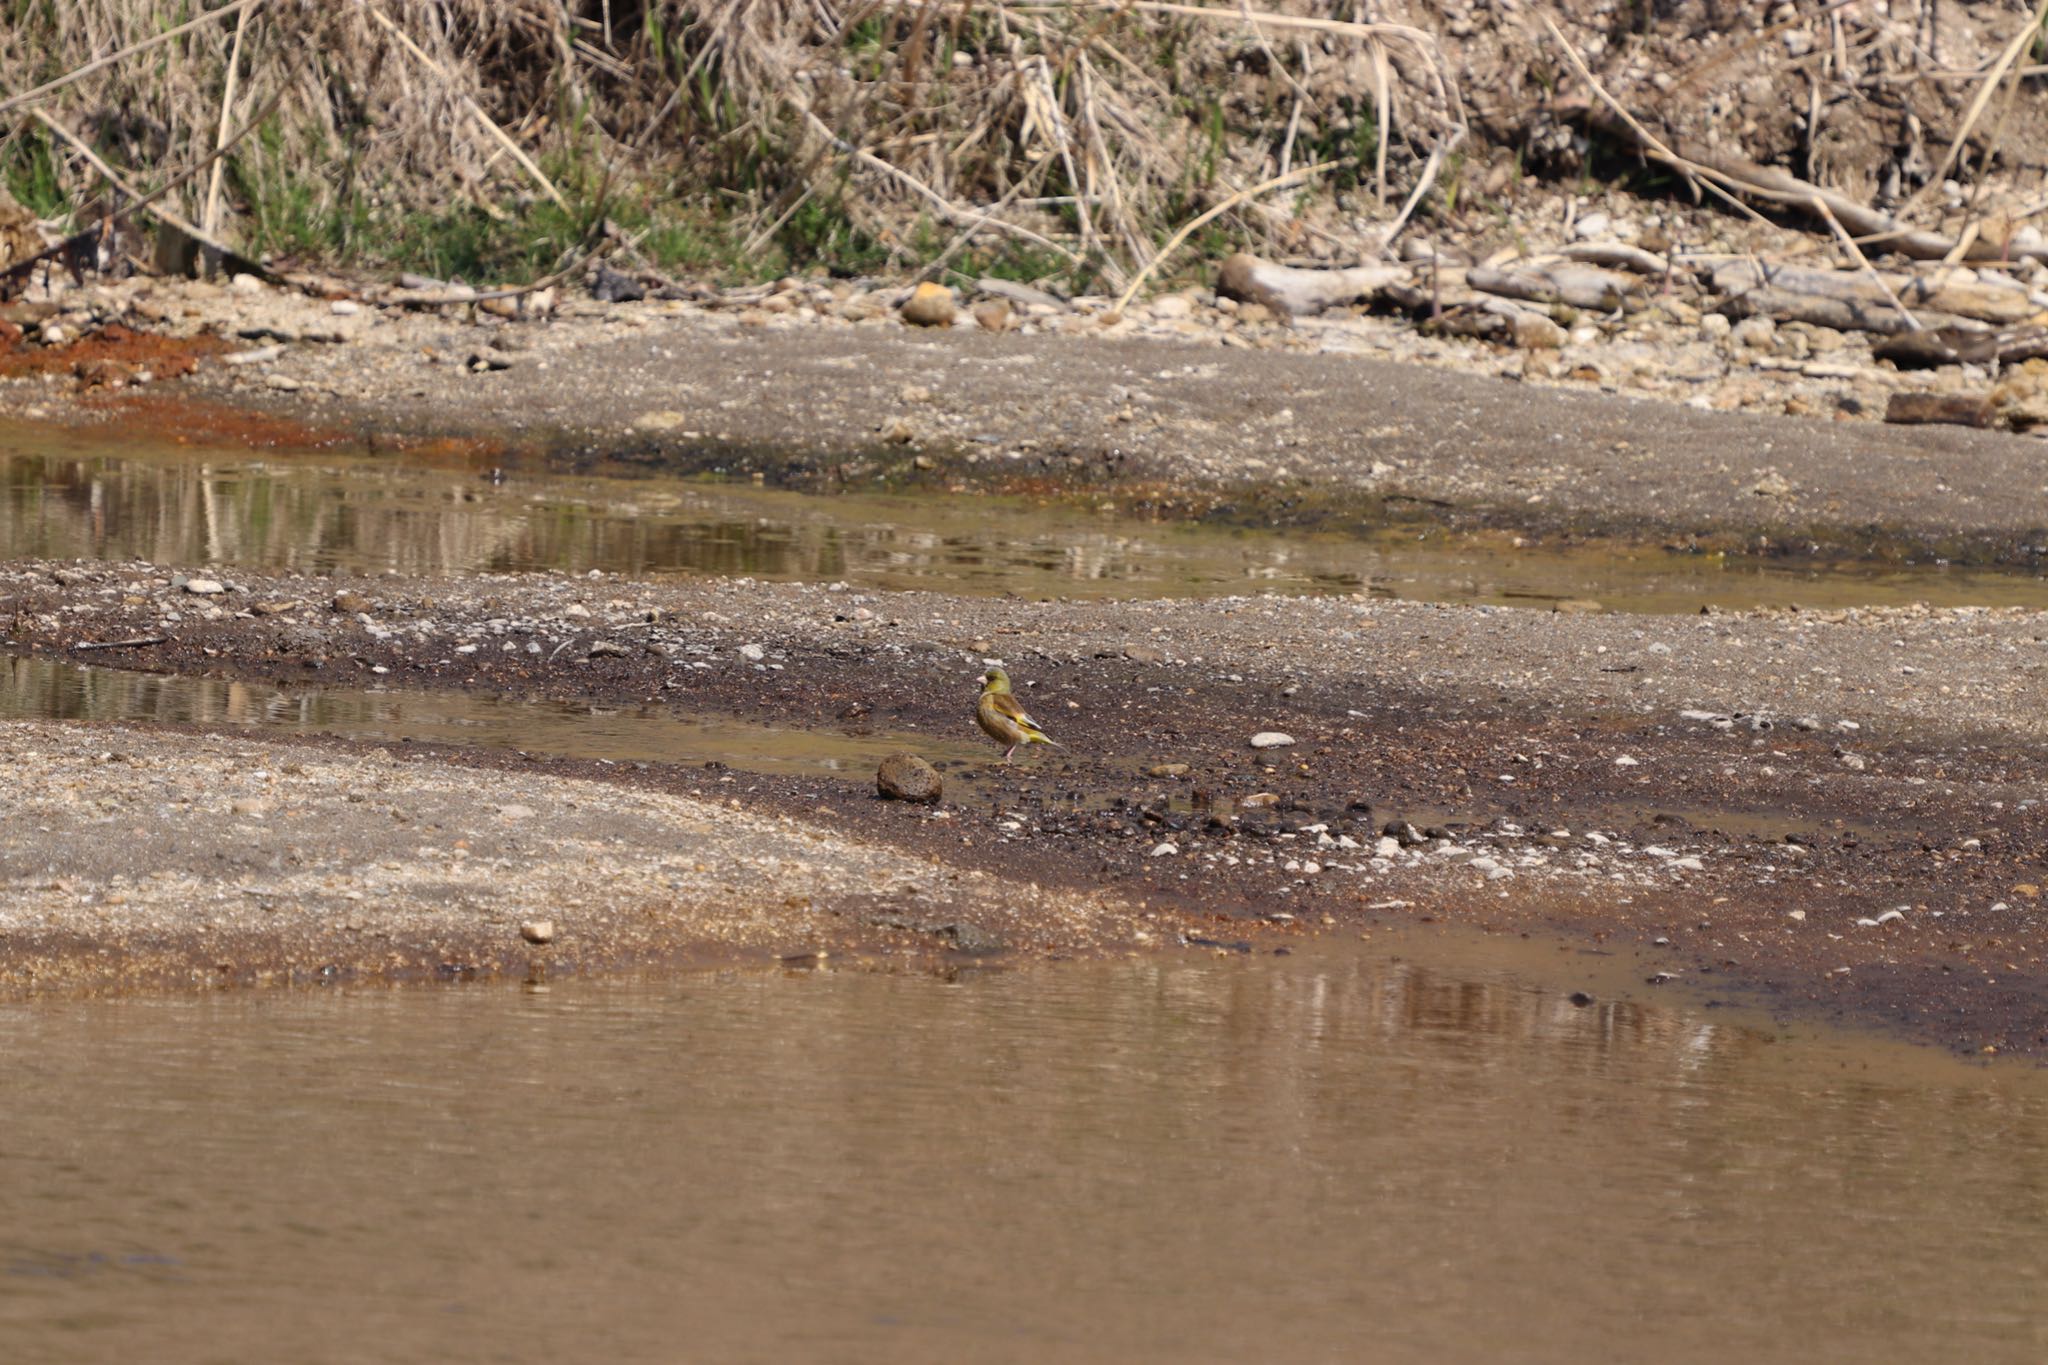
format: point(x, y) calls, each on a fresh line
point(71, 495)
point(1337, 1155)
point(47, 689)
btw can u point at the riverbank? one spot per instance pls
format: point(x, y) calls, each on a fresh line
point(1187, 413)
point(1832, 813)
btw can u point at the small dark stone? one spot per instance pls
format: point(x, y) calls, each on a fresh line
point(612, 287)
point(906, 777)
point(1580, 998)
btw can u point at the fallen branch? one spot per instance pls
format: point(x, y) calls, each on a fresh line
point(122, 644)
point(1581, 286)
point(1869, 302)
point(1294, 291)
point(1188, 228)
point(1620, 256)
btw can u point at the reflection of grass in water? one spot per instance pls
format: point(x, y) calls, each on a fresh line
point(33, 688)
point(188, 509)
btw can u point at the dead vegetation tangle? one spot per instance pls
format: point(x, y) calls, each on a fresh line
point(1078, 135)
point(1072, 137)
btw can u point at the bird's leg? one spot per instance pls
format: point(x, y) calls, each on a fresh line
point(1007, 752)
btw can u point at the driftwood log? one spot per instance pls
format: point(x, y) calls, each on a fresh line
point(1860, 301)
point(1581, 286)
point(1296, 292)
point(1619, 256)
point(1954, 346)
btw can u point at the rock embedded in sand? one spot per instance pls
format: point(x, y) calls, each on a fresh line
point(1271, 739)
point(993, 315)
point(930, 305)
point(906, 777)
point(204, 587)
point(538, 931)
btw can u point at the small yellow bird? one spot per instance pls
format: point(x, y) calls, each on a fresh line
point(1003, 719)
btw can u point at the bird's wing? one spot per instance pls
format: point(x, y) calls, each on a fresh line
point(1005, 704)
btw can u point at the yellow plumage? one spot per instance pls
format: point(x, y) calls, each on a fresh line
point(1003, 719)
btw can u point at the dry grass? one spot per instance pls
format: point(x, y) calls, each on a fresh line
point(1077, 134)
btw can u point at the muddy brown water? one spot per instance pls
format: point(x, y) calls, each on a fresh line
point(1420, 1154)
point(68, 495)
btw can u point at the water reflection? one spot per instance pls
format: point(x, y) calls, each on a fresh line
point(63, 497)
point(45, 689)
point(1329, 1156)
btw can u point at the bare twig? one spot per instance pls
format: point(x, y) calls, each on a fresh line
point(1728, 180)
point(136, 643)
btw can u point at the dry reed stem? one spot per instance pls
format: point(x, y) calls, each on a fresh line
point(526, 162)
point(210, 219)
point(27, 97)
point(1188, 228)
point(1383, 110)
point(1423, 42)
point(1979, 100)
